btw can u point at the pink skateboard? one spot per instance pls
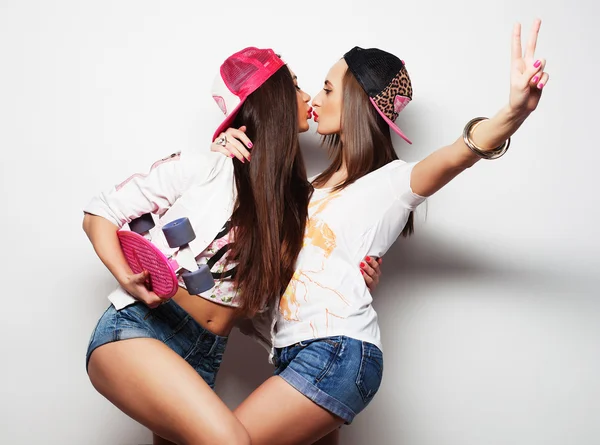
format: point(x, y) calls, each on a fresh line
point(142, 255)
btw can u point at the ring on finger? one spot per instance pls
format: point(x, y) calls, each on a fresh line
point(222, 141)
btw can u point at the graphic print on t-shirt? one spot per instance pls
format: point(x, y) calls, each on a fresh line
point(320, 240)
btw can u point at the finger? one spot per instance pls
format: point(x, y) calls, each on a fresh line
point(536, 70)
point(220, 149)
point(241, 135)
point(371, 261)
point(229, 149)
point(365, 267)
point(141, 278)
point(543, 81)
point(368, 280)
point(151, 299)
point(154, 304)
point(533, 36)
point(516, 51)
point(234, 152)
point(239, 147)
point(232, 145)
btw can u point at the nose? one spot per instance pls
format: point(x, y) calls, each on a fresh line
point(306, 97)
point(316, 102)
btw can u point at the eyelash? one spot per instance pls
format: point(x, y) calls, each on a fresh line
point(298, 87)
point(326, 91)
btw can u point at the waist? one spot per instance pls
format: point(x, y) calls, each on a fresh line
point(360, 324)
point(214, 317)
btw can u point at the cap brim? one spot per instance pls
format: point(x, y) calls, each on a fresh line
point(227, 122)
point(392, 125)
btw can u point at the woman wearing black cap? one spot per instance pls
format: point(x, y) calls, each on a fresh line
point(157, 359)
point(326, 337)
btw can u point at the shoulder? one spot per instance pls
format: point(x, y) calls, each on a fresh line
point(202, 165)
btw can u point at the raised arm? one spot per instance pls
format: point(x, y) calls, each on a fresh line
point(487, 138)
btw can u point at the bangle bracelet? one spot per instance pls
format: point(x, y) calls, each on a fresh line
point(485, 154)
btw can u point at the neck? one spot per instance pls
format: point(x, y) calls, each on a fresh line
point(338, 177)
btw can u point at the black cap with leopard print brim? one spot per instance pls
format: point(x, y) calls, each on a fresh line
point(384, 78)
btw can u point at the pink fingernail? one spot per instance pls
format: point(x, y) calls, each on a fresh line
point(537, 64)
point(540, 86)
point(250, 145)
point(535, 79)
point(231, 156)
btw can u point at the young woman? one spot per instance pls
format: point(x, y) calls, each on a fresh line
point(328, 354)
point(156, 360)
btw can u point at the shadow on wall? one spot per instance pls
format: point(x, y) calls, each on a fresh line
point(245, 365)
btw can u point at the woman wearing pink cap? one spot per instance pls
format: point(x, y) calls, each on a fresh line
point(157, 360)
point(328, 352)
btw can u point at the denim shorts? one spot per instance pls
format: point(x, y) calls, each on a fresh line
point(340, 374)
point(168, 323)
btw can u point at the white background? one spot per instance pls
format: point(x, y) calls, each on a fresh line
point(490, 314)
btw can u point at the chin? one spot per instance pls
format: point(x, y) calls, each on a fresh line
point(304, 127)
point(323, 131)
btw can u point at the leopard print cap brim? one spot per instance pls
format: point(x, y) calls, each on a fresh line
point(393, 99)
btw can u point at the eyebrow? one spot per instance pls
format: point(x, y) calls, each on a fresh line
point(328, 83)
point(295, 77)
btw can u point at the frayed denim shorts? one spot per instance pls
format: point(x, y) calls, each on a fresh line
point(340, 374)
point(168, 323)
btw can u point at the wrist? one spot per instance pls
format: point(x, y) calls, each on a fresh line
point(513, 115)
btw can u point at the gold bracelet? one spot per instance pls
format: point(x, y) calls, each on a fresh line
point(485, 154)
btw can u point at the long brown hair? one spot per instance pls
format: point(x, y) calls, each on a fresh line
point(367, 142)
point(271, 207)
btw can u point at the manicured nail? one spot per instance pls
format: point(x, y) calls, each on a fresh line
point(248, 158)
point(243, 162)
point(540, 86)
point(250, 145)
point(368, 258)
point(362, 265)
point(537, 63)
point(231, 156)
point(535, 79)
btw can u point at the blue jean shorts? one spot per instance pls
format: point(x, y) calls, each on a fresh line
point(168, 323)
point(340, 374)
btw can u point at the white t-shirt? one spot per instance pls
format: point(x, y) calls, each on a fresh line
point(327, 295)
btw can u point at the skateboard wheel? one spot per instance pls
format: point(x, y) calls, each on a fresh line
point(142, 224)
point(179, 232)
point(199, 280)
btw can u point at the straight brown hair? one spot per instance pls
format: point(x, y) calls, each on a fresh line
point(367, 142)
point(273, 192)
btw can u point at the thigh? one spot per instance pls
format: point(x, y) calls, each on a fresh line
point(332, 438)
point(277, 414)
point(169, 324)
point(157, 440)
point(155, 386)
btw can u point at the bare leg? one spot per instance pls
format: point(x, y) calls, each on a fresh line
point(157, 440)
point(277, 414)
point(332, 438)
point(155, 386)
